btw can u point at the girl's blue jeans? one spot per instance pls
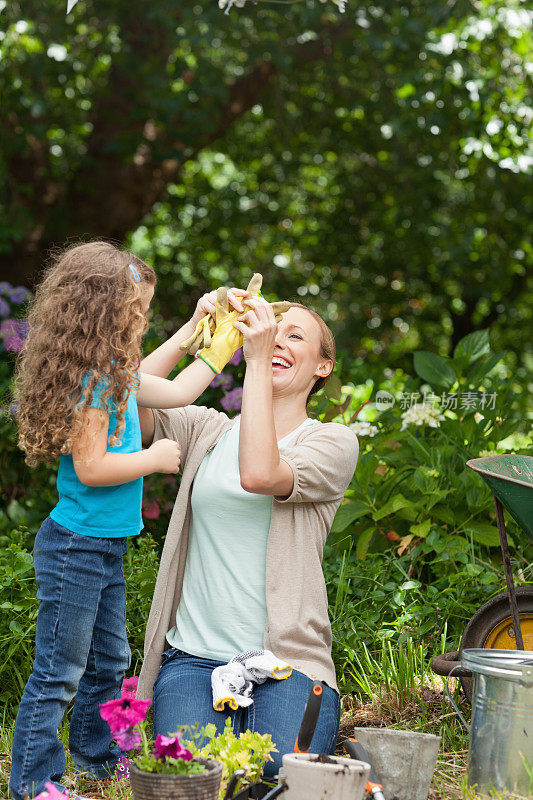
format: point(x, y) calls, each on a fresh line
point(183, 696)
point(81, 652)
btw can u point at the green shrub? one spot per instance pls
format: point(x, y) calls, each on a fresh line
point(386, 599)
point(412, 483)
point(18, 616)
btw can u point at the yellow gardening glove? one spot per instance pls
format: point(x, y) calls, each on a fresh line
point(201, 336)
point(226, 339)
point(206, 325)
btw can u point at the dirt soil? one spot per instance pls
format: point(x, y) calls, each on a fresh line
point(323, 758)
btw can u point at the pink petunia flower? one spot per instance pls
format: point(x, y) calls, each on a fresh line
point(170, 747)
point(124, 714)
point(51, 793)
point(127, 740)
point(129, 686)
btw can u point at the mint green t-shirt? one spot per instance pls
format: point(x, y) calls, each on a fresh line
point(222, 609)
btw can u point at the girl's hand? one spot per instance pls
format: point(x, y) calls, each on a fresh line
point(165, 454)
point(207, 304)
point(259, 328)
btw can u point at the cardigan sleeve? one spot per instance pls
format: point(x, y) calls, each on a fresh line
point(183, 425)
point(322, 464)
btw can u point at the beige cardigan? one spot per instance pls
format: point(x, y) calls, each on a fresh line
point(323, 458)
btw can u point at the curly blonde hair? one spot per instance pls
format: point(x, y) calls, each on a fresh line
point(87, 319)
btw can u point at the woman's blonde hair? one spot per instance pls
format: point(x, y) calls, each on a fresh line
point(327, 346)
point(86, 319)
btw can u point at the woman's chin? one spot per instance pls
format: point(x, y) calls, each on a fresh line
point(284, 385)
point(280, 382)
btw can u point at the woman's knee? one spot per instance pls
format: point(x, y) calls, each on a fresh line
point(279, 710)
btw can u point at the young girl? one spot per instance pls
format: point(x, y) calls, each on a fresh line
point(78, 383)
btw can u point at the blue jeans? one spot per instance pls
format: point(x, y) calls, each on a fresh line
point(182, 696)
point(81, 651)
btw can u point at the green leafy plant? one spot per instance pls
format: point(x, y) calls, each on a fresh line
point(411, 483)
point(18, 615)
point(247, 751)
point(147, 762)
point(18, 605)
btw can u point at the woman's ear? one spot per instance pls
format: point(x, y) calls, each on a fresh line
point(325, 369)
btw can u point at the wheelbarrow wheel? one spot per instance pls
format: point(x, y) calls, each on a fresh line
point(491, 627)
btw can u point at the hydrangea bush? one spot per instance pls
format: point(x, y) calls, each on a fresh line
point(13, 331)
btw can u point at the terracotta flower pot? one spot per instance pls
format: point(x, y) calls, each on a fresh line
point(203, 786)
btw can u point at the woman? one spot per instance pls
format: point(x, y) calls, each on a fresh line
point(241, 565)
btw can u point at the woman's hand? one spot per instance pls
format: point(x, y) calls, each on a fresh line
point(258, 327)
point(207, 304)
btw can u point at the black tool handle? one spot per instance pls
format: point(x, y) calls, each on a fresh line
point(277, 790)
point(356, 750)
point(310, 719)
point(232, 784)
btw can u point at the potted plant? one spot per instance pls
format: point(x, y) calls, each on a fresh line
point(245, 752)
point(164, 768)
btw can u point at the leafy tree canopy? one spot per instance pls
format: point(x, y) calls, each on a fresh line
point(373, 163)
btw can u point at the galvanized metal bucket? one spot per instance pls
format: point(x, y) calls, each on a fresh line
point(500, 755)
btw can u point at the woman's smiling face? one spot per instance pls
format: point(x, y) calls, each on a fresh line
point(297, 362)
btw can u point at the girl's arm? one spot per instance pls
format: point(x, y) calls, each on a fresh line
point(163, 360)
point(156, 392)
point(261, 468)
point(96, 467)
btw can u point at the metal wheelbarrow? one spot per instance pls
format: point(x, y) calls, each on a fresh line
point(505, 622)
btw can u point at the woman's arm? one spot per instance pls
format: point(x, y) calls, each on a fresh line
point(95, 466)
point(146, 418)
point(163, 360)
point(261, 468)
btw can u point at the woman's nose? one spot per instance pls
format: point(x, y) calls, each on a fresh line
point(279, 339)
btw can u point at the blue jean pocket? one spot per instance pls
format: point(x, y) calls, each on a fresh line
point(169, 655)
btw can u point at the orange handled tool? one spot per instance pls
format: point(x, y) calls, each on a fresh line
point(310, 719)
point(356, 750)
